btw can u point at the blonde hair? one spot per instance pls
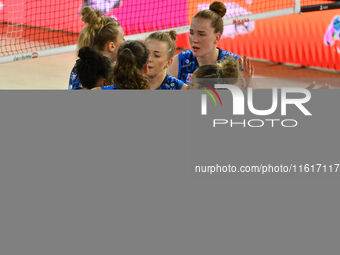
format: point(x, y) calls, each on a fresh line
point(225, 71)
point(168, 37)
point(215, 13)
point(206, 71)
point(228, 68)
point(98, 29)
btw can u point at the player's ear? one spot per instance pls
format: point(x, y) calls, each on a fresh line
point(170, 60)
point(218, 37)
point(110, 46)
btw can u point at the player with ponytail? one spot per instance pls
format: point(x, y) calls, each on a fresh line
point(130, 68)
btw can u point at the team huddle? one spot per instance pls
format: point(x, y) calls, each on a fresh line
point(106, 61)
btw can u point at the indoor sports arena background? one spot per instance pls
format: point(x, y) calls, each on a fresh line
point(309, 39)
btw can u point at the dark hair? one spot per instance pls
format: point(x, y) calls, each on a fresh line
point(92, 66)
point(168, 37)
point(215, 13)
point(98, 29)
point(128, 71)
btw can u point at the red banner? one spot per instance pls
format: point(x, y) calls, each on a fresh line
point(309, 39)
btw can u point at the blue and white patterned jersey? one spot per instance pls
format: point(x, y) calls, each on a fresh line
point(188, 63)
point(171, 82)
point(74, 82)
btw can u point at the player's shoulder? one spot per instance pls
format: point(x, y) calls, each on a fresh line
point(172, 83)
point(225, 54)
point(186, 53)
point(174, 80)
point(186, 57)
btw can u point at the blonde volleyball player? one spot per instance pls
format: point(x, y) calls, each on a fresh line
point(162, 46)
point(103, 34)
point(227, 71)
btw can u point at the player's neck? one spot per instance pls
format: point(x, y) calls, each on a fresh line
point(106, 54)
point(157, 80)
point(208, 59)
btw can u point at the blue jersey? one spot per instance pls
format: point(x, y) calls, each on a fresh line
point(188, 63)
point(74, 82)
point(109, 87)
point(171, 83)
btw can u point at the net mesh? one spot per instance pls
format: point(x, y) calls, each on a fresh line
point(32, 25)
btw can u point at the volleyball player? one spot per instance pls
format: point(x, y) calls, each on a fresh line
point(103, 34)
point(93, 69)
point(162, 46)
point(227, 71)
point(205, 32)
point(130, 68)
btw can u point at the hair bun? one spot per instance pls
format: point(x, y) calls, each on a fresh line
point(172, 34)
point(92, 17)
point(218, 7)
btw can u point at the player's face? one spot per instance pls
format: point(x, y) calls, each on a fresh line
point(203, 39)
point(118, 43)
point(158, 58)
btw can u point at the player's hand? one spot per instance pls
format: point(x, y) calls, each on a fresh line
point(246, 66)
point(247, 69)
